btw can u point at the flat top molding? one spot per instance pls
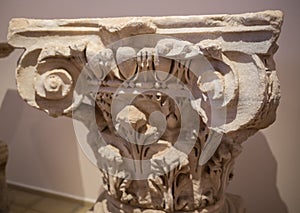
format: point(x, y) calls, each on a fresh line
point(235, 32)
point(269, 17)
point(270, 20)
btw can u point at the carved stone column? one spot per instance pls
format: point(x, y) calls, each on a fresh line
point(167, 101)
point(4, 207)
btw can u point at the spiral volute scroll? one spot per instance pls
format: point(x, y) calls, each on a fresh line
point(130, 80)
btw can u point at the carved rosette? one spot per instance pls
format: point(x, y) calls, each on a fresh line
point(224, 61)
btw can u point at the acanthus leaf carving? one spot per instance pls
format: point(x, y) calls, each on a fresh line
point(208, 82)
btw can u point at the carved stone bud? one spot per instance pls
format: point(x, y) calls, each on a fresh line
point(126, 60)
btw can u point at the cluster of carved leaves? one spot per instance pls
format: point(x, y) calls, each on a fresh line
point(176, 181)
point(241, 89)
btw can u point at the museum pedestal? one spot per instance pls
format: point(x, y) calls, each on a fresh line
point(166, 102)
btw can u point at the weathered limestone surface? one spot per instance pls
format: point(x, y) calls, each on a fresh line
point(3, 189)
point(172, 99)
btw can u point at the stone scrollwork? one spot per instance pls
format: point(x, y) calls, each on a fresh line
point(172, 99)
point(46, 76)
point(54, 84)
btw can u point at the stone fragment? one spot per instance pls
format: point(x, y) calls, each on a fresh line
point(167, 101)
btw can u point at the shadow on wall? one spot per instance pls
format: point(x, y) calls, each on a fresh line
point(255, 177)
point(42, 152)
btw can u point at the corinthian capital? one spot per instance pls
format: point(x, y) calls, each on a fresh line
point(172, 98)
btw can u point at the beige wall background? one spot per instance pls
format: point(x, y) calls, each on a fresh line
point(43, 150)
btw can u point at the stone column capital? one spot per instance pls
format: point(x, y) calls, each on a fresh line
point(217, 69)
